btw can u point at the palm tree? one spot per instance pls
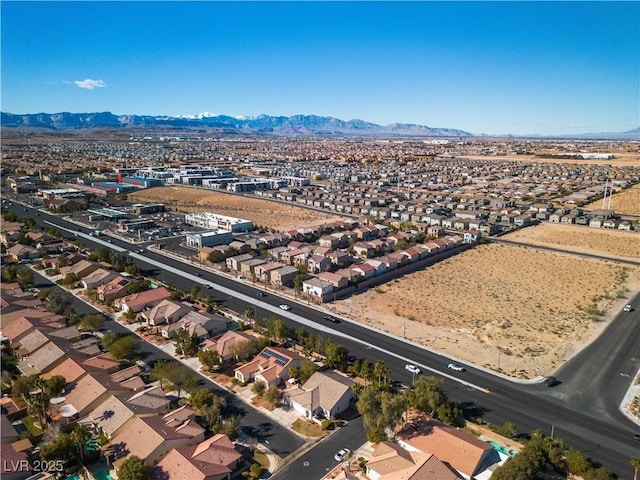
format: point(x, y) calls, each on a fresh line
point(635, 461)
point(81, 435)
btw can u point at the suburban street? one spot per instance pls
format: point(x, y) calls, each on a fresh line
point(583, 408)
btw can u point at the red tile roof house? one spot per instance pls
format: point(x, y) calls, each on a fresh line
point(213, 459)
point(202, 325)
point(337, 281)
point(97, 278)
point(391, 462)
point(227, 343)
point(81, 269)
point(324, 395)
point(147, 299)
point(463, 452)
point(151, 438)
point(166, 311)
point(90, 391)
point(114, 289)
point(270, 366)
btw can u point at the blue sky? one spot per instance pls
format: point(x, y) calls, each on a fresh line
point(485, 67)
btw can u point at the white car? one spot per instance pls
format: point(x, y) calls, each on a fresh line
point(627, 308)
point(284, 307)
point(456, 367)
point(342, 454)
point(412, 368)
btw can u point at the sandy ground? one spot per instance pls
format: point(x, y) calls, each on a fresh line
point(622, 159)
point(625, 202)
point(578, 238)
point(261, 212)
point(514, 309)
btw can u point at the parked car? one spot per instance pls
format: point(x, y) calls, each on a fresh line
point(342, 454)
point(412, 368)
point(284, 307)
point(456, 367)
point(627, 308)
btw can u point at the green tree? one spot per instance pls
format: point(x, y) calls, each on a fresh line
point(62, 261)
point(134, 468)
point(272, 395)
point(196, 291)
point(60, 448)
point(23, 385)
point(259, 388)
point(70, 279)
point(58, 300)
point(427, 394)
point(92, 321)
point(209, 358)
point(381, 411)
point(10, 273)
point(507, 429)
point(635, 462)
point(231, 426)
point(25, 277)
point(201, 397)
point(81, 434)
point(337, 356)
point(184, 343)
point(126, 347)
point(276, 329)
point(249, 312)
point(173, 376)
point(381, 374)
point(55, 385)
point(138, 286)
point(10, 217)
point(307, 368)
point(133, 270)
point(366, 371)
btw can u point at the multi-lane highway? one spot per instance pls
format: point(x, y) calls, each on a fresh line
point(583, 408)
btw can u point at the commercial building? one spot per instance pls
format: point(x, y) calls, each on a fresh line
point(218, 222)
point(208, 239)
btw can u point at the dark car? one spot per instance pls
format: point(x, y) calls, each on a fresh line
point(551, 381)
point(331, 319)
point(261, 294)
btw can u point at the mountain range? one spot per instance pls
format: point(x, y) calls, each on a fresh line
point(263, 124)
point(300, 125)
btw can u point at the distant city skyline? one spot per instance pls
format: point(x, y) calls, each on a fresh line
point(546, 68)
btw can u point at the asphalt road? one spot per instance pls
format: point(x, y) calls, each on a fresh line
point(583, 409)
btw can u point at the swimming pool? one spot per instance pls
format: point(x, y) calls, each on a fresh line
point(496, 446)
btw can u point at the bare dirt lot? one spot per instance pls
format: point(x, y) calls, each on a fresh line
point(625, 202)
point(577, 238)
point(622, 159)
point(261, 212)
point(522, 309)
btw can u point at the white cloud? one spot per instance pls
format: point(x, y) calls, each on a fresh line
point(90, 84)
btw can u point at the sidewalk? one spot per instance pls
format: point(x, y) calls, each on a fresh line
point(627, 405)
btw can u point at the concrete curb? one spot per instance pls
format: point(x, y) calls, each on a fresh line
point(632, 392)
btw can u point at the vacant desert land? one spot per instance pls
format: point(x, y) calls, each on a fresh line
point(624, 202)
point(622, 159)
point(261, 212)
point(524, 309)
point(577, 238)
